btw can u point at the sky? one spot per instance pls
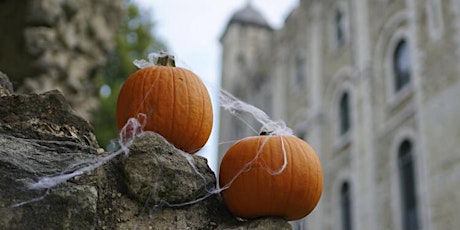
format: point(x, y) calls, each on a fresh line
point(191, 31)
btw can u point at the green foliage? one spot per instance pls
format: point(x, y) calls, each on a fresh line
point(134, 40)
point(105, 125)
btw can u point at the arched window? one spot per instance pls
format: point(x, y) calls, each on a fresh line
point(344, 113)
point(339, 27)
point(300, 70)
point(345, 207)
point(401, 65)
point(407, 186)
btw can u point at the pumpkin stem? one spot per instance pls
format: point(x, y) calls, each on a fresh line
point(265, 132)
point(166, 60)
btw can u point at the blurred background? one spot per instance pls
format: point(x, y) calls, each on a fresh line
point(372, 85)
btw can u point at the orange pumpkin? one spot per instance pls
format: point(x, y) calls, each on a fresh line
point(257, 186)
point(175, 100)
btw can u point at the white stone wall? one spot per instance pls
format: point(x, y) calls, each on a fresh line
point(425, 111)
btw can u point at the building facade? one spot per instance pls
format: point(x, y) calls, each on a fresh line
point(373, 86)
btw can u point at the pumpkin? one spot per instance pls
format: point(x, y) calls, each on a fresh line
point(258, 185)
point(175, 101)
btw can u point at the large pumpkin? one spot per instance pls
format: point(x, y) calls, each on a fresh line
point(175, 100)
point(257, 186)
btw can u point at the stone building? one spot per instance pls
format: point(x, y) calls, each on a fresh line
point(373, 86)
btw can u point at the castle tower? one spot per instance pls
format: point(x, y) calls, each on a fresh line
point(244, 41)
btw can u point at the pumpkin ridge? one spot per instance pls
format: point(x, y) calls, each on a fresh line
point(309, 175)
point(148, 83)
point(141, 106)
point(188, 103)
point(265, 202)
point(260, 170)
point(317, 175)
point(153, 106)
point(203, 101)
point(203, 109)
point(315, 188)
point(132, 87)
point(272, 173)
point(172, 121)
point(319, 181)
point(273, 167)
point(259, 175)
point(306, 157)
point(194, 135)
point(288, 149)
point(258, 158)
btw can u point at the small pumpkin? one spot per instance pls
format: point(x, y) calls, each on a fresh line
point(257, 189)
point(175, 101)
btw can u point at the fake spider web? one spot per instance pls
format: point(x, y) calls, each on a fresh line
point(135, 126)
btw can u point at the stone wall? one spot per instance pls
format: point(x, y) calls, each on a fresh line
point(150, 188)
point(53, 44)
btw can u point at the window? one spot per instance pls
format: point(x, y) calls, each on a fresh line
point(407, 186)
point(258, 82)
point(300, 71)
point(401, 65)
point(345, 207)
point(344, 113)
point(339, 27)
point(434, 18)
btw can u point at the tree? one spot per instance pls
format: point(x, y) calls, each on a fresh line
point(134, 40)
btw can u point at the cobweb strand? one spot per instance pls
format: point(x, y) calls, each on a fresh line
point(235, 106)
point(132, 128)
